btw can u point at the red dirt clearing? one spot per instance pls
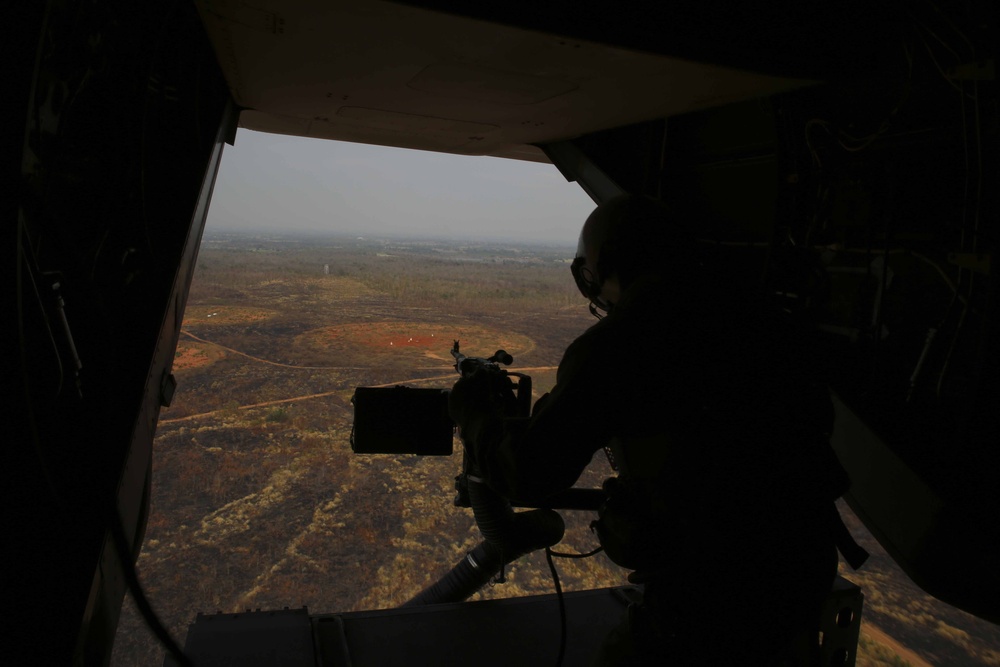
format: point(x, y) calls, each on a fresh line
point(369, 343)
point(192, 354)
point(433, 340)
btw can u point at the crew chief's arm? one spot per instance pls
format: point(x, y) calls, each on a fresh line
point(528, 459)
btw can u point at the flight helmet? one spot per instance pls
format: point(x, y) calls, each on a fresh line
point(626, 237)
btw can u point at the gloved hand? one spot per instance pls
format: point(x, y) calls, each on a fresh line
point(485, 396)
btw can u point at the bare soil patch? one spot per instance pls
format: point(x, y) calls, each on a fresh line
point(193, 354)
point(404, 340)
point(221, 315)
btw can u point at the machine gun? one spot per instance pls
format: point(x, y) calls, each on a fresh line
point(410, 420)
point(407, 420)
point(521, 392)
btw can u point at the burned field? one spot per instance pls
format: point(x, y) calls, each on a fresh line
point(258, 501)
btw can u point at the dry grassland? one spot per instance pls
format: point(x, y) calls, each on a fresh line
point(258, 501)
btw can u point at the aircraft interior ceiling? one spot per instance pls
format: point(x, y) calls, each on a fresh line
point(399, 75)
point(842, 159)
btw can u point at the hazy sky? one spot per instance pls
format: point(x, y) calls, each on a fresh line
point(272, 182)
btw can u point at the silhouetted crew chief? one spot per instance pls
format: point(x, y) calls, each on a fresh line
point(723, 501)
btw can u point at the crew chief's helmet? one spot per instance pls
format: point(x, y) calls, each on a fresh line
point(627, 237)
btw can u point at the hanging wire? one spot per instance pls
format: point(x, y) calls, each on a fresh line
point(549, 554)
point(562, 606)
point(125, 557)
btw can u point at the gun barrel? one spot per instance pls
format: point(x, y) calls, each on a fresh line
point(458, 356)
